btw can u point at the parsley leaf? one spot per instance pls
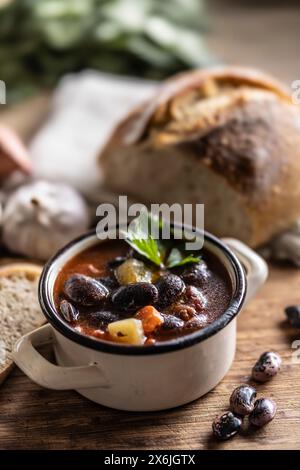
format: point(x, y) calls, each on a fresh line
point(176, 259)
point(138, 236)
point(147, 248)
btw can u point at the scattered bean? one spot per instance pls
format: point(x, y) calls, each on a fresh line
point(242, 400)
point(264, 411)
point(85, 291)
point(68, 311)
point(134, 296)
point(226, 426)
point(266, 367)
point(170, 287)
point(293, 315)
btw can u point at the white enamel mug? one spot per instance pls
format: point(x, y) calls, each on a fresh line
point(140, 378)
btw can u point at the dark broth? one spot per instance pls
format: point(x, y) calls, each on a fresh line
point(215, 290)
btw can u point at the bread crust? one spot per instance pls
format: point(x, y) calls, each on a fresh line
point(241, 124)
point(30, 269)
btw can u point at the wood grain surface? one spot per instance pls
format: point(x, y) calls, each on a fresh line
point(35, 418)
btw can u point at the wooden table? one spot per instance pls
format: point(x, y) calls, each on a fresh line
point(35, 418)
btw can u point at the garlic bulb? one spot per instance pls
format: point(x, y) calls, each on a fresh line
point(41, 217)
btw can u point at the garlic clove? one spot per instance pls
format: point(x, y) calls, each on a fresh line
point(40, 213)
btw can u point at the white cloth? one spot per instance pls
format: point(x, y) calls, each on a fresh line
point(86, 107)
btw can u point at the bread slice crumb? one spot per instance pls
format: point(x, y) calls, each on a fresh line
point(20, 312)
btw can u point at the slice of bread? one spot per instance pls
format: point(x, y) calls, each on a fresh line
point(19, 308)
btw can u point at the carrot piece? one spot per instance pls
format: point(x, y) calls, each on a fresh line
point(150, 318)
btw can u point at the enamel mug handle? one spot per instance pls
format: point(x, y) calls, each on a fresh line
point(256, 268)
point(49, 375)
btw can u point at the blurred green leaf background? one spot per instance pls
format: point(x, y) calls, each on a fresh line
point(40, 40)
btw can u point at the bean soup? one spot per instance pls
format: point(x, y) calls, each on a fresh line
point(113, 293)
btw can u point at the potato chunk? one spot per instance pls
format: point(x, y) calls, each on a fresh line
point(128, 331)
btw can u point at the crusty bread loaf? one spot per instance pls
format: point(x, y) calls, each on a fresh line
point(19, 308)
point(227, 137)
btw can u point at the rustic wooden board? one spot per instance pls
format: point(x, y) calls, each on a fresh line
point(35, 418)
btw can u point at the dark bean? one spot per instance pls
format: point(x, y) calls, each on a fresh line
point(114, 263)
point(242, 400)
point(110, 283)
point(195, 298)
point(293, 315)
point(226, 426)
point(266, 367)
point(85, 291)
point(196, 274)
point(170, 287)
point(68, 311)
point(264, 411)
point(102, 318)
point(171, 323)
point(134, 296)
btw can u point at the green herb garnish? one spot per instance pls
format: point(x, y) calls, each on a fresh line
point(138, 236)
point(176, 259)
